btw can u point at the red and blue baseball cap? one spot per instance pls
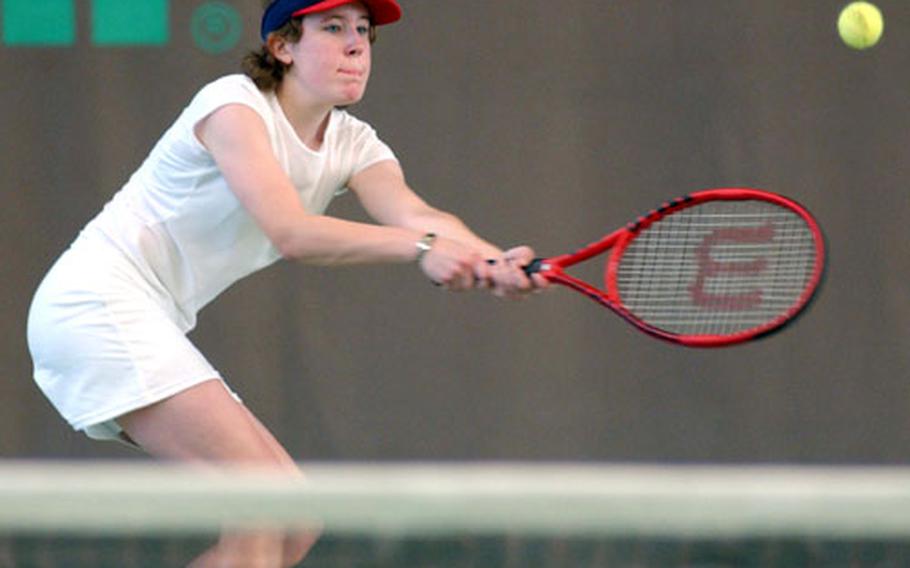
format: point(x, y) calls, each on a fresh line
point(280, 12)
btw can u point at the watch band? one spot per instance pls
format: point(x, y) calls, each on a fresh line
point(424, 245)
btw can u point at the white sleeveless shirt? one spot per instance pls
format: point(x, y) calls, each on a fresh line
point(184, 228)
point(107, 326)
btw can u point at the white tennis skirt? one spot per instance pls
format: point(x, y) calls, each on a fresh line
point(104, 341)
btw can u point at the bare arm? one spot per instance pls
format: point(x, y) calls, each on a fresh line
point(385, 195)
point(238, 140)
point(388, 199)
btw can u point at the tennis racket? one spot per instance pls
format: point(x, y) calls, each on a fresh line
point(712, 268)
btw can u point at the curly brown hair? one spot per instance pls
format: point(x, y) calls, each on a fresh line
point(263, 67)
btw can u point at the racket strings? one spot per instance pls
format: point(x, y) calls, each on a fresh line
point(718, 268)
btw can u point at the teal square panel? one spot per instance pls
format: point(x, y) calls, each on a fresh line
point(39, 22)
point(130, 22)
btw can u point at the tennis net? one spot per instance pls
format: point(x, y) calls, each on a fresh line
point(443, 515)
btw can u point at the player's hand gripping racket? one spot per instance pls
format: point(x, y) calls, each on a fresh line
point(715, 267)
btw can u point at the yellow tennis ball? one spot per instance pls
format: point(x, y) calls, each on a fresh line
point(860, 25)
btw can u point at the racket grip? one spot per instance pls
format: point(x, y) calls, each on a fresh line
point(535, 266)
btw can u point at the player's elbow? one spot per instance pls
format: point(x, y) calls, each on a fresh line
point(289, 242)
point(299, 247)
point(291, 235)
point(287, 248)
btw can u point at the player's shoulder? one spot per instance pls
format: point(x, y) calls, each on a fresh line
point(346, 122)
point(223, 91)
point(236, 83)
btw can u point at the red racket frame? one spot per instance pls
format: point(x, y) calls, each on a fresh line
point(553, 269)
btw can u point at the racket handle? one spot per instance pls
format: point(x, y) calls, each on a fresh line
point(535, 266)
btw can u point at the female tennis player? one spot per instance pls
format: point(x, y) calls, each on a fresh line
point(240, 180)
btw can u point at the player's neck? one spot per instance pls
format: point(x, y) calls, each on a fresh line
point(308, 119)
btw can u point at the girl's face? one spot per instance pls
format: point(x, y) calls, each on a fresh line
point(331, 62)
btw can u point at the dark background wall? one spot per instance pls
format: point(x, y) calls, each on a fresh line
point(539, 122)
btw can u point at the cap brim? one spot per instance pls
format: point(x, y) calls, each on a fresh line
point(381, 11)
